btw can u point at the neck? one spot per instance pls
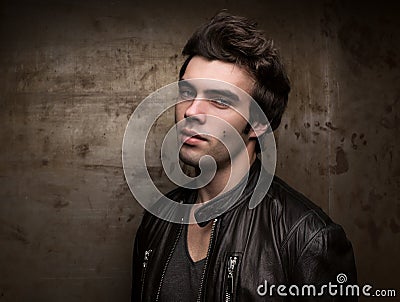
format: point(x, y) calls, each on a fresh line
point(227, 177)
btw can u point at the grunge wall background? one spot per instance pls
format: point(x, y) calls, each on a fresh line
point(71, 74)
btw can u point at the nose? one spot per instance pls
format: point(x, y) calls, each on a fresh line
point(197, 109)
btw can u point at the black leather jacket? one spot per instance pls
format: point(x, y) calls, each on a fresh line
point(286, 240)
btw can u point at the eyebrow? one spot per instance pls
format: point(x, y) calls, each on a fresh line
point(221, 92)
point(184, 83)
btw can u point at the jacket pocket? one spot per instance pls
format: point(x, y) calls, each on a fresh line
point(231, 276)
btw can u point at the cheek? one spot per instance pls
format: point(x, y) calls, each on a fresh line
point(239, 123)
point(179, 111)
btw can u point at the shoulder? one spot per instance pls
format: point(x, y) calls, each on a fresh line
point(310, 242)
point(299, 219)
point(294, 206)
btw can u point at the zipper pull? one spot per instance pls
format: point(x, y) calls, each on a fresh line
point(146, 257)
point(145, 260)
point(231, 269)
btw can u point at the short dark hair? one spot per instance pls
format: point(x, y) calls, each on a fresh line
point(235, 39)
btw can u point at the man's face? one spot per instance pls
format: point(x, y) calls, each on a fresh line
point(207, 100)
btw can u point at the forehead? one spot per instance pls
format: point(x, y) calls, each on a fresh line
point(200, 67)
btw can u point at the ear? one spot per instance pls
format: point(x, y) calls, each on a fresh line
point(258, 129)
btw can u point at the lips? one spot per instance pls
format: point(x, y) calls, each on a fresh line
point(191, 137)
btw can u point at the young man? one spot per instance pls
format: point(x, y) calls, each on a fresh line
point(243, 252)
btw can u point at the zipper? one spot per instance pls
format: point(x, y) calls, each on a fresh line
point(230, 281)
point(168, 260)
point(206, 263)
point(145, 262)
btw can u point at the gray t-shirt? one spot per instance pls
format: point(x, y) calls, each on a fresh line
point(182, 279)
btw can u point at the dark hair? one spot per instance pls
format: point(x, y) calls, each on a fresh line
point(235, 39)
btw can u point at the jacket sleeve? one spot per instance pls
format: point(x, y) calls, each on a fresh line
point(327, 262)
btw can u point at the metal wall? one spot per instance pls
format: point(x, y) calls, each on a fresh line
point(71, 74)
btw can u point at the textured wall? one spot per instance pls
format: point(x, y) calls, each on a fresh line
point(72, 72)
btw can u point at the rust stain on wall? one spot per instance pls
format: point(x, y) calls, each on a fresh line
point(342, 164)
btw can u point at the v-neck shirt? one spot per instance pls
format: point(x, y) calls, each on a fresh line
point(182, 278)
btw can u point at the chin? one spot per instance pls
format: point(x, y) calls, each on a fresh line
point(189, 160)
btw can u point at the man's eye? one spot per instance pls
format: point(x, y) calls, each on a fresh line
point(220, 102)
point(187, 94)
